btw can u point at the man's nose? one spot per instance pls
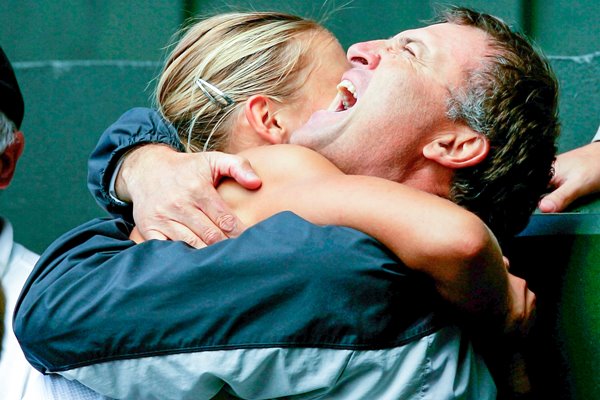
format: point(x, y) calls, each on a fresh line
point(364, 55)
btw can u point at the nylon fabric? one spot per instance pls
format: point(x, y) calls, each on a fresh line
point(95, 297)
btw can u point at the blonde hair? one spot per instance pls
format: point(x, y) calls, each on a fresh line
point(242, 54)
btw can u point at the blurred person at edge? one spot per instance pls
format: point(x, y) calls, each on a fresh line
point(16, 262)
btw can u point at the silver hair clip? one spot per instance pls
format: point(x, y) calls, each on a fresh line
point(219, 98)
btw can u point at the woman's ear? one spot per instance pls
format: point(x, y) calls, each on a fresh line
point(460, 148)
point(8, 159)
point(261, 114)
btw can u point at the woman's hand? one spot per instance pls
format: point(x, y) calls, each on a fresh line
point(174, 194)
point(522, 307)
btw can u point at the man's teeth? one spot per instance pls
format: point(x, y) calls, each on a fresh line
point(346, 84)
point(348, 93)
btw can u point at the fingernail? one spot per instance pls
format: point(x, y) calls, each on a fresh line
point(251, 175)
point(548, 205)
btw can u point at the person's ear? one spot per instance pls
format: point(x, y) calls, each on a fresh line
point(261, 114)
point(460, 148)
point(8, 159)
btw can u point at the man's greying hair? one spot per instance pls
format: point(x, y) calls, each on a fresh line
point(513, 101)
point(242, 54)
point(7, 132)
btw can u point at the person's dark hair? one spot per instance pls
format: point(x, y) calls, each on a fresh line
point(11, 100)
point(513, 100)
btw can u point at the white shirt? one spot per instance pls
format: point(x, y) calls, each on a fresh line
point(16, 262)
point(18, 379)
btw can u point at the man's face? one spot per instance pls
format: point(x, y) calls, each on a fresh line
point(401, 86)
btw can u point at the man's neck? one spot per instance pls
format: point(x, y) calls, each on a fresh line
point(433, 179)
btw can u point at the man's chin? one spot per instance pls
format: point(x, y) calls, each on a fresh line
point(320, 126)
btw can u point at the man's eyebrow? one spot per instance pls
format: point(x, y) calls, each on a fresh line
point(408, 39)
point(415, 40)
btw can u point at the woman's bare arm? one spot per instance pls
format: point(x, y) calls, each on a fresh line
point(429, 234)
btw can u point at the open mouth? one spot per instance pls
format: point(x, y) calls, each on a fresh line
point(346, 97)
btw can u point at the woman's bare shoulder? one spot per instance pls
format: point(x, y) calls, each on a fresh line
point(288, 162)
point(281, 168)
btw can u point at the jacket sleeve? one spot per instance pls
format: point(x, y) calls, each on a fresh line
point(95, 297)
point(137, 126)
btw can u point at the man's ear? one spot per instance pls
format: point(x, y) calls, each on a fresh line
point(261, 115)
point(8, 159)
point(460, 148)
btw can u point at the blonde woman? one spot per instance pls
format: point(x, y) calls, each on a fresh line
point(282, 66)
point(332, 315)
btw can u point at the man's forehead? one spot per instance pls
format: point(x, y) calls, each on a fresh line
point(465, 44)
point(443, 32)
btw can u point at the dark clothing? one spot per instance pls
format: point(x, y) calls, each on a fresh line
point(11, 99)
point(95, 296)
point(137, 126)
